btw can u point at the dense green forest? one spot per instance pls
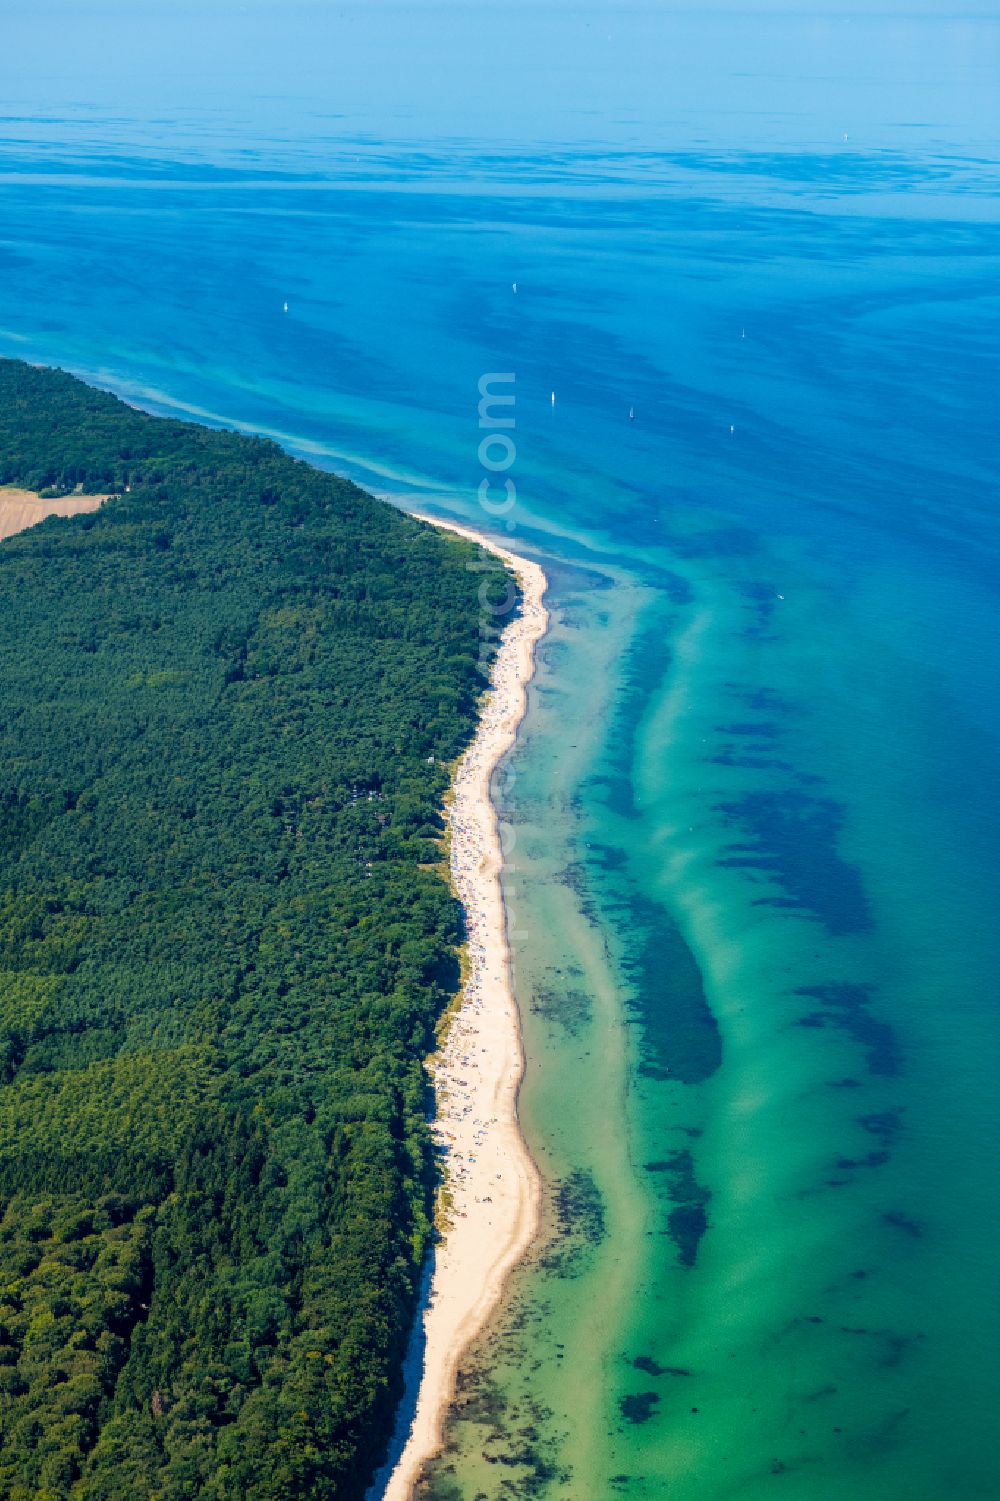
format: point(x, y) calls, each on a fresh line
point(228, 701)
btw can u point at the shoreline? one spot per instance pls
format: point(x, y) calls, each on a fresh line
point(492, 1182)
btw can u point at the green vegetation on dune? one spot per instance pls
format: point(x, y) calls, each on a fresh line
point(227, 705)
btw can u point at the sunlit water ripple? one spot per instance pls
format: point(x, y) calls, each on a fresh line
point(752, 825)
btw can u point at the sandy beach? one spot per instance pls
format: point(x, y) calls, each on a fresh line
point(493, 1185)
point(20, 509)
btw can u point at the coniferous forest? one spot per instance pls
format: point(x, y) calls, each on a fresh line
point(228, 703)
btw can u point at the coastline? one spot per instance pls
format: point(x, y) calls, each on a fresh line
point(492, 1182)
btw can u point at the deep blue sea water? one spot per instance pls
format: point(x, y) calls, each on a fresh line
point(757, 802)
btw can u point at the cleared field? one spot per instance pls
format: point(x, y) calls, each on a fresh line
point(20, 509)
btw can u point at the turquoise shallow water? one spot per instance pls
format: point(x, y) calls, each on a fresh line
point(752, 823)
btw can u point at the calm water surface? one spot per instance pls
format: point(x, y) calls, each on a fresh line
point(753, 822)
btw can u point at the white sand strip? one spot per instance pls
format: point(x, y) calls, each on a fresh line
point(494, 1184)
